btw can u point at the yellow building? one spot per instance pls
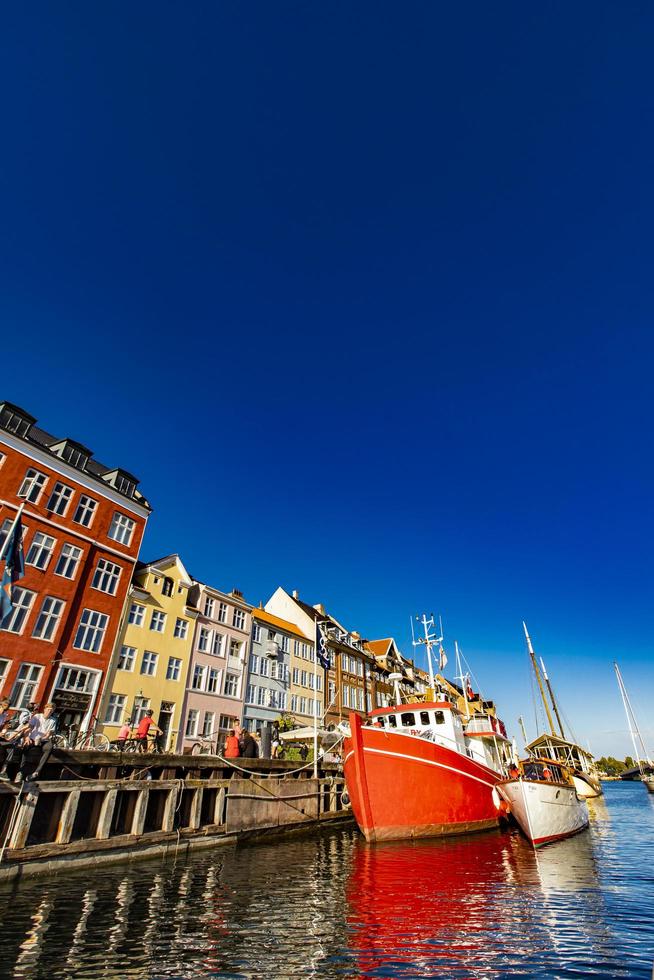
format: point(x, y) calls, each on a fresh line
point(151, 659)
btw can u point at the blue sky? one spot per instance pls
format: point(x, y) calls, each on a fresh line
point(363, 295)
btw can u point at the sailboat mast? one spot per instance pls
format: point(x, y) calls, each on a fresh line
point(554, 704)
point(631, 721)
point(539, 679)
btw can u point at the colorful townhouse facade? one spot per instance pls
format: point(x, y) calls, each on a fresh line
point(152, 655)
point(348, 680)
point(83, 525)
point(268, 688)
point(215, 685)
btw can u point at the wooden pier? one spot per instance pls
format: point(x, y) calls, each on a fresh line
point(94, 808)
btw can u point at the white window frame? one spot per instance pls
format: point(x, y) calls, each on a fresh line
point(64, 495)
point(115, 709)
point(85, 511)
point(106, 576)
point(26, 682)
point(126, 658)
point(199, 678)
point(121, 529)
point(191, 725)
point(160, 621)
point(15, 621)
point(213, 680)
point(91, 631)
point(37, 481)
point(256, 633)
point(43, 546)
point(174, 669)
point(136, 614)
point(238, 620)
point(229, 678)
point(68, 562)
point(181, 628)
point(150, 659)
point(47, 621)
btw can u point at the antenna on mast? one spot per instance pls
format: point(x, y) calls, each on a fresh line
point(429, 640)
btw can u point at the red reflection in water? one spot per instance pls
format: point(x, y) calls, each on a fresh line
point(417, 908)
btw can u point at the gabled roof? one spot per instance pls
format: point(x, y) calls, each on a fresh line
point(265, 617)
point(380, 648)
point(163, 564)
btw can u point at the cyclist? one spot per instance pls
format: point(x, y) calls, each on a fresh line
point(123, 734)
point(146, 728)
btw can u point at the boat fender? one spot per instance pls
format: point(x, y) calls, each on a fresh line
point(345, 798)
point(497, 802)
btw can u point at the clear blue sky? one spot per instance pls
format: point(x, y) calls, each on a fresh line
point(363, 294)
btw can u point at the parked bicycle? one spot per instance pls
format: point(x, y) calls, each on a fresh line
point(89, 740)
point(206, 745)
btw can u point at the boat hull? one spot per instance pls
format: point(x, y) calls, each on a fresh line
point(586, 786)
point(545, 811)
point(403, 786)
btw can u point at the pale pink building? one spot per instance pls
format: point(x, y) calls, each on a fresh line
point(215, 685)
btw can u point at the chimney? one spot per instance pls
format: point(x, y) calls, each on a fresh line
point(237, 593)
point(320, 608)
point(296, 594)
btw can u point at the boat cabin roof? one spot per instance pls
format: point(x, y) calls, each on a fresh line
point(414, 706)
point(543, 740)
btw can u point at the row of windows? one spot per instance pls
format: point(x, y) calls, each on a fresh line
point(208, 723)
point(90, 630)
point(353, 697)
point(136, 617)
point(238, 615)
point(352, 664)
point(306, 678)
point(304, 706)
point(149, 662)
point(106, 574)
point(207, 679)
point(31, 489)
point(29, 676)
point(264, 697)
point(268, 668)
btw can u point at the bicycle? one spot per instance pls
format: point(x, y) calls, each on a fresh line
point(89, 740)
point(205, 745)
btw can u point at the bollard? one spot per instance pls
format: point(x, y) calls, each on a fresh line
point(266, 731)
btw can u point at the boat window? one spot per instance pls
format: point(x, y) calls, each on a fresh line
point(424, 717)
point(408, 719)
point(392, 721)
point(439, 717)
point(381, 721)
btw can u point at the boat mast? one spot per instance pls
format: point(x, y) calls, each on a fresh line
point(554, 704)
point(461, 678)
point(539, 679)
point(430, 640)
point(631, 721)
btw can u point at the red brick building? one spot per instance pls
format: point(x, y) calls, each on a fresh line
point(83, 525)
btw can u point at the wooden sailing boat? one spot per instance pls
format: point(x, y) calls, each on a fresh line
point(557, 747)
point(645, 764)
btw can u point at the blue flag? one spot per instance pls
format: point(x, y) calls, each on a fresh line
point(321, 646)
point(14, 567)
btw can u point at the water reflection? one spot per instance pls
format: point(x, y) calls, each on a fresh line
point(483, 907)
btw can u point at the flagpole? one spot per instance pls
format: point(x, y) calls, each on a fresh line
point(11, 531)
point(315, 707)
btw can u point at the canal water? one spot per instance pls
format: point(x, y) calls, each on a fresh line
point(478, 907)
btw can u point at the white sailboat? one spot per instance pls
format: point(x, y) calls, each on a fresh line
point(557, 747)
point(645, 764)
point(544, 802)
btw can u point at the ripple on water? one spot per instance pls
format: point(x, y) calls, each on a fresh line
point(477, 907)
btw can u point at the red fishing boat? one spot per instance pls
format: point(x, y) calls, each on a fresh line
point(427, 768)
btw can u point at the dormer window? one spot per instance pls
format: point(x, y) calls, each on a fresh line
point(121, 481)
point(15, 420)
point(167, 587)
point(72, 453)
